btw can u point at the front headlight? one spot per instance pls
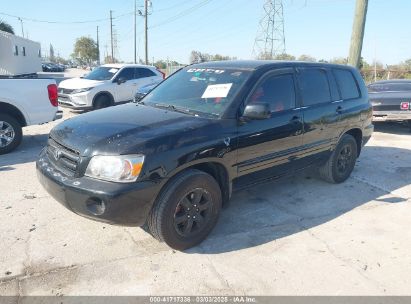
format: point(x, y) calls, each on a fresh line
point(81, 90)
point(121, 168)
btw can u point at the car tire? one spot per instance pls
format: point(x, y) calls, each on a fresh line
point(409, 124)
point(101, 102)
point(341, 162)
point(175, 216)
point(9, 140)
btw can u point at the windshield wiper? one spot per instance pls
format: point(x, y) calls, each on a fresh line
point(173, 108)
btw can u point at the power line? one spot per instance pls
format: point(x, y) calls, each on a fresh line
point(182, 14)
point(64, 22)
point(174, 6)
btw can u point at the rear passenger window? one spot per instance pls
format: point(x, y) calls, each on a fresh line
point(142, 73)
point(278, 91)
point(347, 84)
point(314, 86)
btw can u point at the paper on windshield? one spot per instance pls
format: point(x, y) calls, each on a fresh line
point(217, 90)
point(113, 71)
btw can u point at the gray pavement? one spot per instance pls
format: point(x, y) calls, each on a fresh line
point(297, 236)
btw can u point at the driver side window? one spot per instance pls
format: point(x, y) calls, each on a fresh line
point(278, 91)
point(127, 73)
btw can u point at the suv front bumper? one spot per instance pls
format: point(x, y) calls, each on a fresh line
point(74, 101)
point(126, 204)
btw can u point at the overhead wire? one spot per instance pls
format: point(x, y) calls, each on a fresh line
point(181, 14)
point(64, 22)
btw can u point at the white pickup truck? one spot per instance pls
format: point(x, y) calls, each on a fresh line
point(25, 102)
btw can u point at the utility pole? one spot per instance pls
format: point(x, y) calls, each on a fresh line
point(270, 39)
point(22, 28)
point(146, 28)
point(98, 48)
point(111, 36)
point(135, 31)
point(357, 35)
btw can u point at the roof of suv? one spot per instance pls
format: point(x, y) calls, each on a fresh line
point(256, 64)
point(122, 65)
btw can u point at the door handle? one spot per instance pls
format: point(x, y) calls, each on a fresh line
point(339, 110)
point(295, 119)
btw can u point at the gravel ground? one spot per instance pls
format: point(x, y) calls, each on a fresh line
point(296, 236)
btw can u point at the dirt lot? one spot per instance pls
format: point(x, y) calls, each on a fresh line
point(298, 236)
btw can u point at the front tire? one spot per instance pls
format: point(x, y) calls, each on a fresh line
point(341, 162)
point(101, 102)
point(187, 210)
point(10, 133)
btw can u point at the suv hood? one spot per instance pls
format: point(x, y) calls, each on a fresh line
point(79, 83)
point(131, 129)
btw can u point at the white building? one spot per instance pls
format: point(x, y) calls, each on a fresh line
point(18, 55)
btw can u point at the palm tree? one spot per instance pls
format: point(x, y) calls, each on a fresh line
point(5, 27)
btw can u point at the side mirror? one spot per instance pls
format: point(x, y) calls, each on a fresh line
point(257, 111)
point(121, 80)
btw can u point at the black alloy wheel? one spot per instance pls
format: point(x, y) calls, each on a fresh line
point(193, 212)
point(186, 210)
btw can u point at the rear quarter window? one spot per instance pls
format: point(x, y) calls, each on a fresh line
point(347, 84)
point(142, 73)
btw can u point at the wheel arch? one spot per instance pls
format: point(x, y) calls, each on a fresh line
point(102, 93)
point(13, 111)
point(357, 134)
point(212, 167)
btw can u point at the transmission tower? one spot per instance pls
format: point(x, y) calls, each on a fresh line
point(270, 39)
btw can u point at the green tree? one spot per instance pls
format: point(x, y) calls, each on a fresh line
point(5, 27)
point(284, 56)
point(108, 59)
point(307, 58)
point(339, 60)
point(85, 50)
point(407, 64)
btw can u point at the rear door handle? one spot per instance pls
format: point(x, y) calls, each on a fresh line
point(295, 119)
point(339, 110)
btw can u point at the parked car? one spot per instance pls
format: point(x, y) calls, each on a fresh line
point(143, 91)
point(391, 100)
point(172, 161)
point(52, 67)
point(106, 85)
point(25, 102)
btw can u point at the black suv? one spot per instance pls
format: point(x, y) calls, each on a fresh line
point(170, 162)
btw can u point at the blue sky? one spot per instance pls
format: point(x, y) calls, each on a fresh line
point(320, 28)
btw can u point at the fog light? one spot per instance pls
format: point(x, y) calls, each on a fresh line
point(96, 206)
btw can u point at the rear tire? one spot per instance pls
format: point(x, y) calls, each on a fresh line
point(10, 133)
point(186, 210)
point(409, 124)
point(341, 162)
point(102, 101)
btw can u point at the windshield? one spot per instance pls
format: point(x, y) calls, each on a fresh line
point(101, 73)
point(199, 91)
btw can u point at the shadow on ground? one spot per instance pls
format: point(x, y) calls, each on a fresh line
point(277, 209)
point(392, 127)
point(27, 152)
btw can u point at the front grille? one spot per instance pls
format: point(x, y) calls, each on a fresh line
point(65, 91)
point(63, 158)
